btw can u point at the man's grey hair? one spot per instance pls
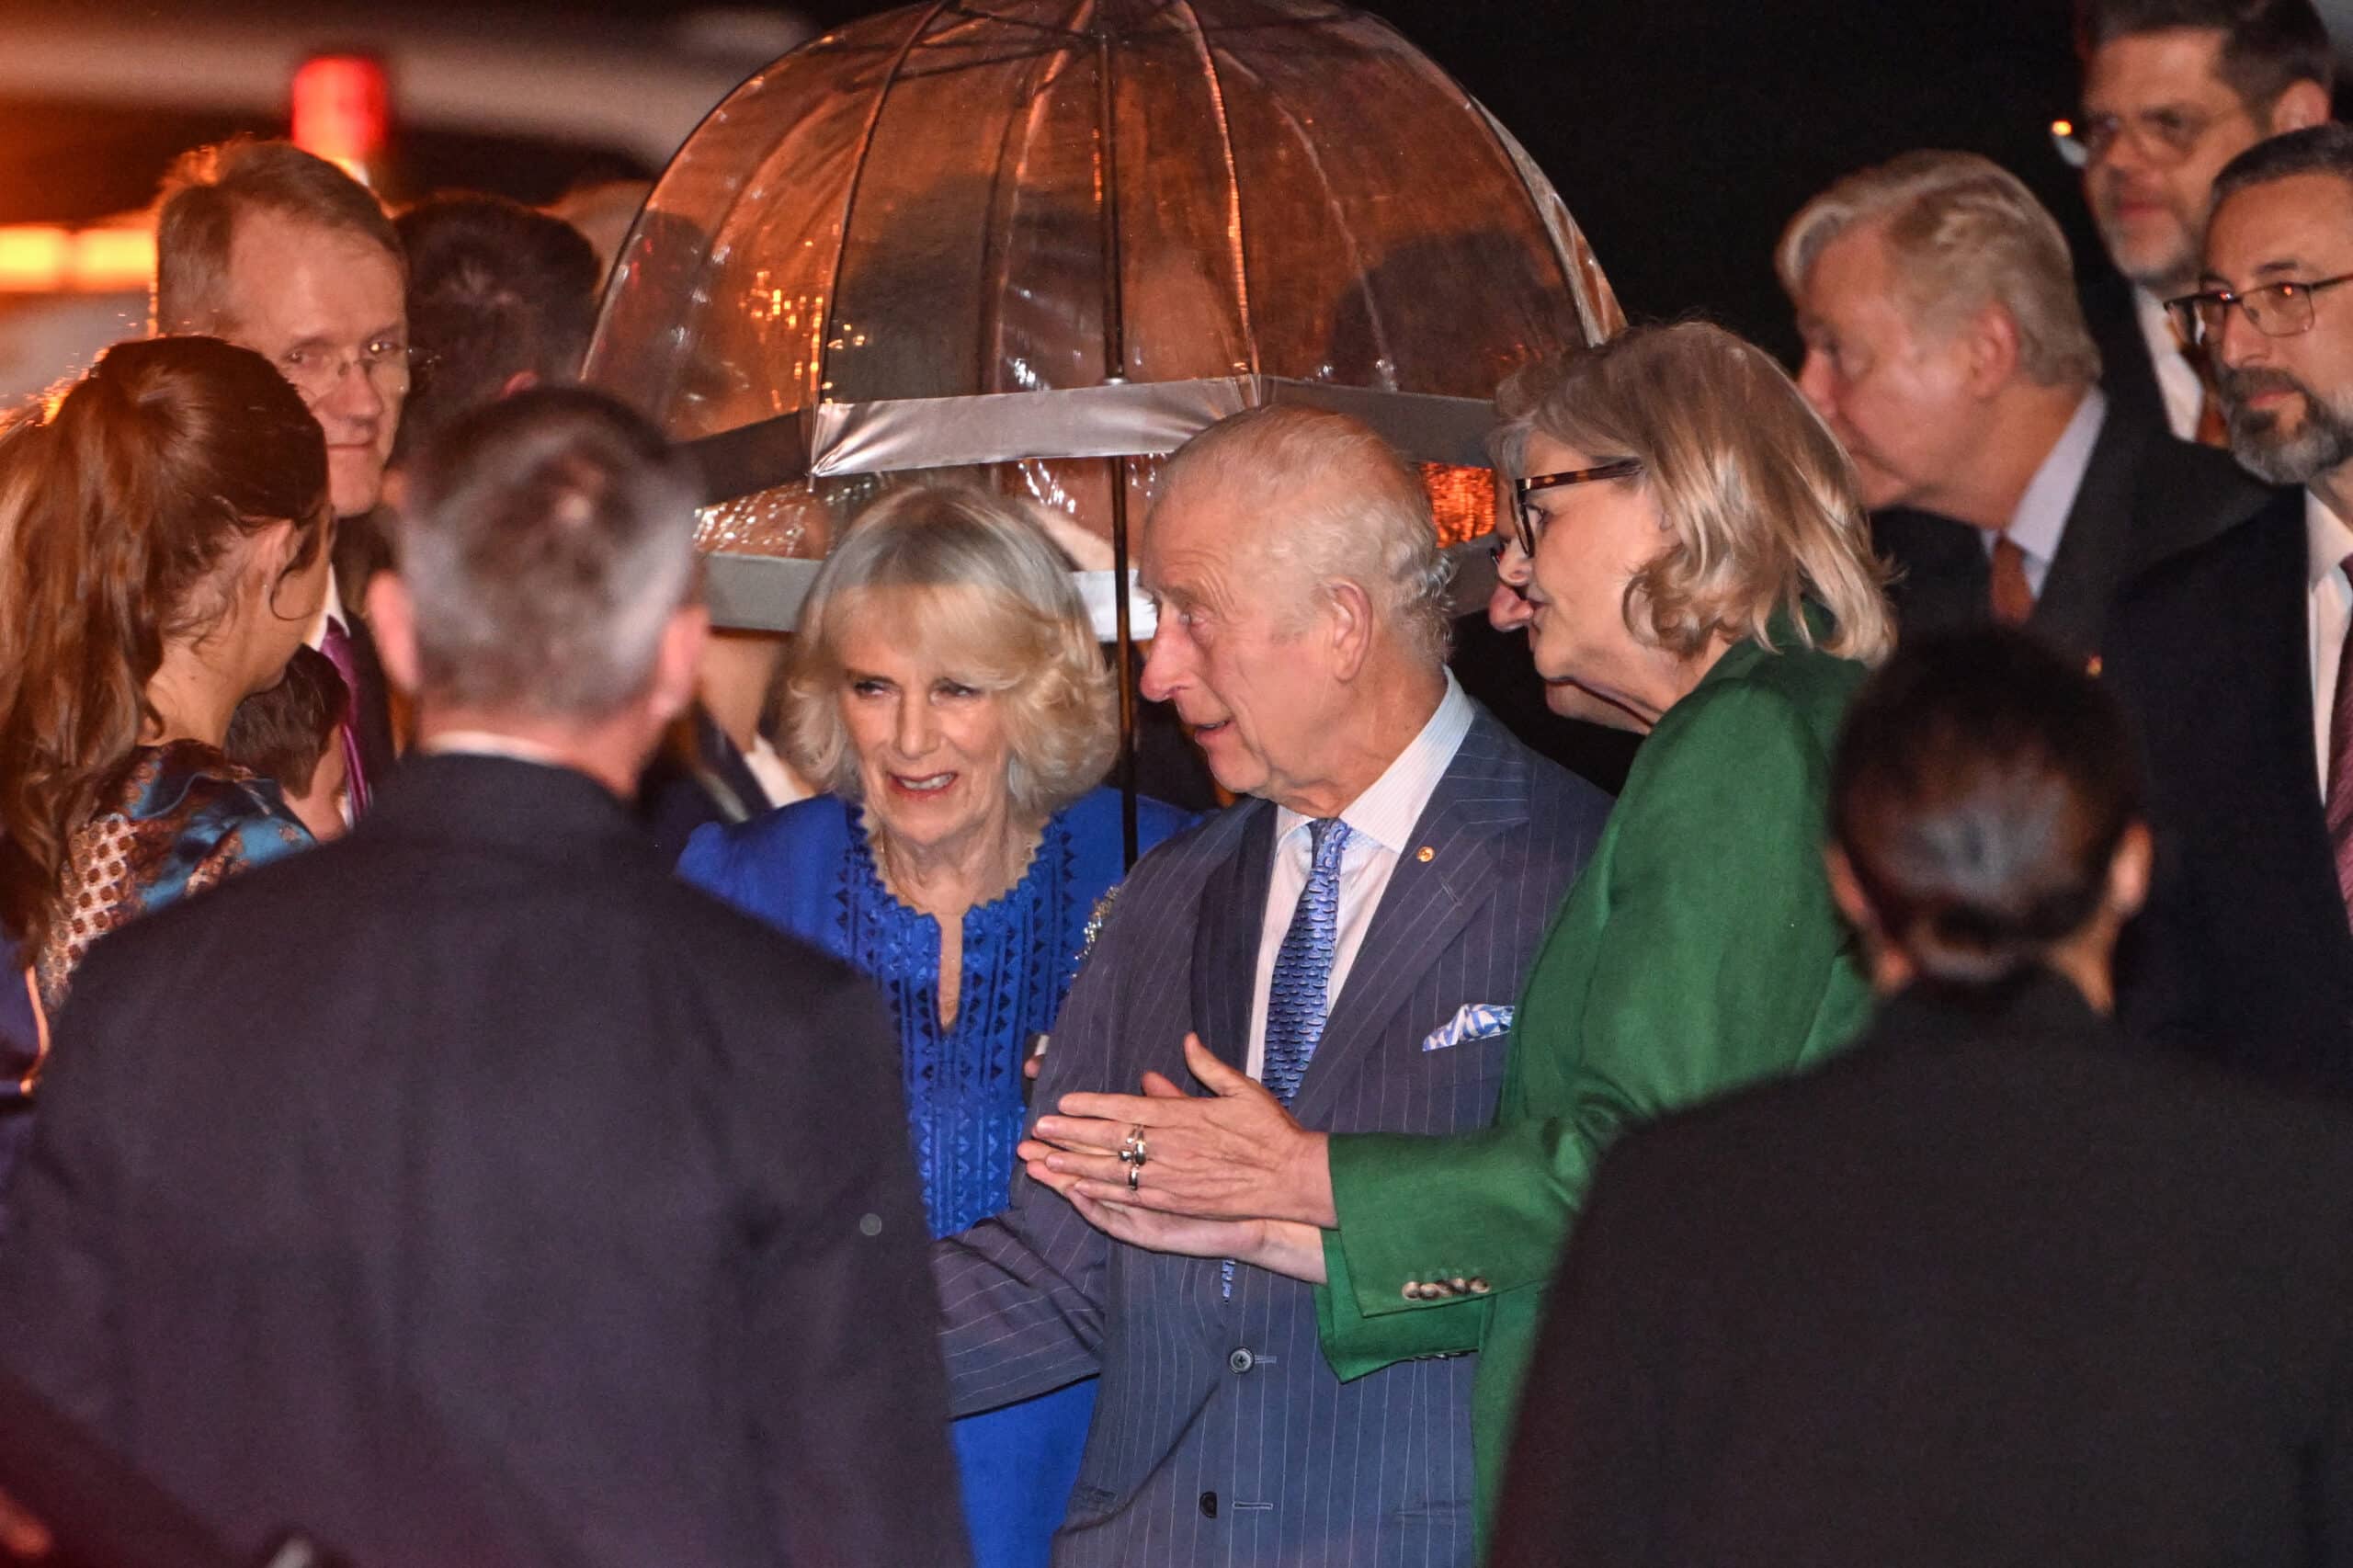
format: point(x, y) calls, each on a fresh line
point(548, 540)
point(209, 189)
point(1962, 232)
point(1336, 503)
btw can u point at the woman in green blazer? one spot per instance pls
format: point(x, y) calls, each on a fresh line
point(1699, 567)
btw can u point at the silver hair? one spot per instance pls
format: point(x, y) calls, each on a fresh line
point(1339, 504)
point(1003, 612)
point(550, 539)
point(1962, 232)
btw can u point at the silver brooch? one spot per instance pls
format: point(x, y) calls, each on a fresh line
point(1094, 926)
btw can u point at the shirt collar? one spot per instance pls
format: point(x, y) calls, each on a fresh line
point(2156, 323)
point(1387, 812)
point(2327, 539)
point(489, 743)
point(2042, 515)
point(330, 613)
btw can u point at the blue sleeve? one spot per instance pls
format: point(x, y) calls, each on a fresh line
point(771, 867)
point(1157, 822)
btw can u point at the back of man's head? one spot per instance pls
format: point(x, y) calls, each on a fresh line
point(2314, 149)
point(546, 544)
point(1962, 232)
point(2267, 45)
point(1333, 502)
point(496, 291)
point(209, 189)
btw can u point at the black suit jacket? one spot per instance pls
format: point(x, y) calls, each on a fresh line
point(2145, 497)
point(2126, 374)
point(1991, 1289)
point(523, 1207)
point(698, 777)
point(371, 707)
point(2245, 951)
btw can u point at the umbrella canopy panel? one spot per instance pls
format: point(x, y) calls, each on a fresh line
point(1018, 238)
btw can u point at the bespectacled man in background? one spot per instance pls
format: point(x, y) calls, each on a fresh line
point(2172, 91)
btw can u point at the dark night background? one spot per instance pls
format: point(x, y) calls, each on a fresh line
point(1682, 135)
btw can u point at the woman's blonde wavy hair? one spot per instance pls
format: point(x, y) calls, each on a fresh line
point(995, 600)
point(1757, 494)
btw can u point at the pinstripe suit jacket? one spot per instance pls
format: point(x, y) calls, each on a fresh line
point(1220, 1436)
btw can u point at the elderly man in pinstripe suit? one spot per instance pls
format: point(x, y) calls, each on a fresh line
point(1352, 933)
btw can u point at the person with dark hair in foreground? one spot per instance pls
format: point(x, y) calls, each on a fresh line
point(472, 1191)
point(287, 734)
point(1995, 1287)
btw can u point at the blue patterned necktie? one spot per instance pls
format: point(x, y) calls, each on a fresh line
point(1299, 999)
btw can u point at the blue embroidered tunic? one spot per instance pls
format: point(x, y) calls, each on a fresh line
point(808, 869)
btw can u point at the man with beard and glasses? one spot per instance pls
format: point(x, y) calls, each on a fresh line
point(2172, 91)
point(2233, 655)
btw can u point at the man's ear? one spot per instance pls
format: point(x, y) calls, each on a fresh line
point(2299, 105)
point(1992, 336)
point(391, 620)
point(1847, 888)
point(677, 662)
point(2129, 872)
point(1350, 608)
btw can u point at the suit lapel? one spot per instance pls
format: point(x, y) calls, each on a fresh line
point(1482, 792)
point(2281, 630)
point(1226, 936)
point(2072, 609)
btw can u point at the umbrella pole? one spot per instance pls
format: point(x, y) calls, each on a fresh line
point(1114, 370)
point(1127, 659)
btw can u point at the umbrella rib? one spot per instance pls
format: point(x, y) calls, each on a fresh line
point(821, 362)
point(1232, 187)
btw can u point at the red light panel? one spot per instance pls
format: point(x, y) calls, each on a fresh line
point(342, 108)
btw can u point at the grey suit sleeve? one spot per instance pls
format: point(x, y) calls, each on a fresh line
point(60, 1271)
point(848, 1410)
point(1022, 1293)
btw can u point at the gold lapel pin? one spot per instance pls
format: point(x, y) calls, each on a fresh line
point(1426, 854)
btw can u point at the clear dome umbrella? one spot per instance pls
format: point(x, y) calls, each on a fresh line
point(1037, 243)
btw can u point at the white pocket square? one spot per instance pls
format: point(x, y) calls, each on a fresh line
point(1474, 1020)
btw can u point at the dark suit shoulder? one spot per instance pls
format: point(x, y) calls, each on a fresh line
point(2191, 496)
point(1911, 535)
point(2211, 578)
point(2079, 1084)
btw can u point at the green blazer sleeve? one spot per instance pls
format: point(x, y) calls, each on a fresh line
point(1698, 951)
